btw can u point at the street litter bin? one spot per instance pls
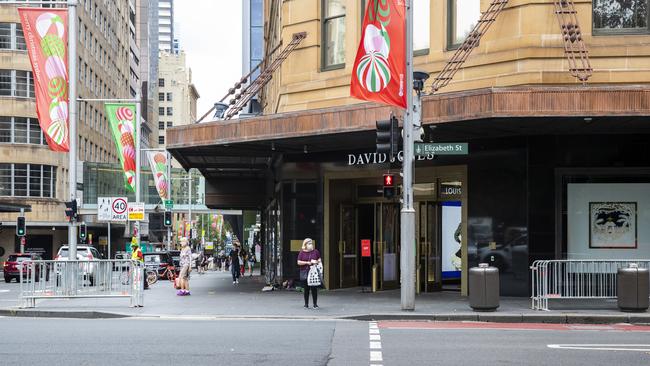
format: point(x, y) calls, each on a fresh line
point(484, 288)
point(633, 288)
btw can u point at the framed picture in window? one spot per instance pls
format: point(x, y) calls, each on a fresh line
point(612, 225)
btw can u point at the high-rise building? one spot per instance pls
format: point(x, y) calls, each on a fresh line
point(252, 44)
point(177, 95)
point(30, 173)
point(166, 25)
point(147, 36)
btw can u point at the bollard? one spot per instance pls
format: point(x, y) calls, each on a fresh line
point(632, 288)
point(484, 288)
point(374, 278)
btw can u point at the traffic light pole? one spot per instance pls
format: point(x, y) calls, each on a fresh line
point(407, 229)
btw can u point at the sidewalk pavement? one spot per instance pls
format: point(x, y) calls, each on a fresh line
point(214, 296)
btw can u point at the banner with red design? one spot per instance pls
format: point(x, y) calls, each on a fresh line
point(121, 119)
point(379, 71)
point(158, 164)
point(46, 35)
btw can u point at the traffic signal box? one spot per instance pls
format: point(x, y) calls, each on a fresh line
point(71, 210)
point(388, 136)
point(83, 231)
point(168, 219)
point(389, 186)
point(20, 226)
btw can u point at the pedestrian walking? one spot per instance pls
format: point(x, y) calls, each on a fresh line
point(251, 263)
point(186, 268)
point(242, 261)
point(234, 264)
point(308, 257)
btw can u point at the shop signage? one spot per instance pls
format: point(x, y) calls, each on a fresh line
point(136, 211)
point(445, 148)
point(380, 158)
point(365, 247)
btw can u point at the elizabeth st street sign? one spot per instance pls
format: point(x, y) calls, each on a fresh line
point(423, 151)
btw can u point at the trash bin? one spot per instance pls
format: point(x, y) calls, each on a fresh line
point(484, 288)
point(632, 287)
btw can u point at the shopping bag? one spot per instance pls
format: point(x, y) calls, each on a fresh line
point(314, 277)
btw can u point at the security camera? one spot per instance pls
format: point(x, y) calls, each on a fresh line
point(419, 78)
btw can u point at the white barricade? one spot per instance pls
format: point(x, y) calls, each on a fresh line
point(576, 279)
point(66, 279)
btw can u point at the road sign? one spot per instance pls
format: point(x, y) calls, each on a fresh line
point(443, 148)
point(136, 211)
point(169, 204)
point(119, 207)
point(104, 212)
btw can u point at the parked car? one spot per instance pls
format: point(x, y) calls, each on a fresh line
point(84, 253)
point(15, 264)
point(158, 261)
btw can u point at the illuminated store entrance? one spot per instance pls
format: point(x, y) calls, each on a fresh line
point(366, 229)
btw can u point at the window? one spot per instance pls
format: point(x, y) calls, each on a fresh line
point(16, 83)
point(170, 124)
point(620, 16)
point(170, 111)
point(5, 36)
point(161, 97)
point(169, 97)
point(20, 38)
point(463, 15)
point(11, 37)
point(421, 26)
point(161, 125)
point(161, 111)
point(161, 140)
point(161, 83)
point(333, 30)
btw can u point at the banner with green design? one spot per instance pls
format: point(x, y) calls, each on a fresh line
point(121, 119)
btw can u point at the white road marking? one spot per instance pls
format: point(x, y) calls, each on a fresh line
point(375, 344)
point(5, 290)
point(604, 347)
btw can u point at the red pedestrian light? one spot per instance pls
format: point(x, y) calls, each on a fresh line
point(388, 180)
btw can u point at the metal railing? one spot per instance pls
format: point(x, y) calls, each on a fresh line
point(66, 279)
point(576, 279)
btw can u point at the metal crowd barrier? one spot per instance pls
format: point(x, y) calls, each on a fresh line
point(66, 279)
point(576, 279)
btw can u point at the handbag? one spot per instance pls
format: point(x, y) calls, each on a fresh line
point(315, 275)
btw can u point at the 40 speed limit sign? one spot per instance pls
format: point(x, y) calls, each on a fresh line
point(119, 206)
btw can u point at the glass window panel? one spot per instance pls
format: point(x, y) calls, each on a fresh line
point(170, 111)
point(161, 111)
point(35, 180)
point(22, 83)
point(47, 181)
point(20, 130)
point(421, 24)
point(31, 86)
point(170, 124)
point(464, 15)
point(161, 97)
point(169, 97)
point(5, 36)
point(5, 129)
point(257, 13)
point(53, 193)
point(257, 42)
point(34, 132)
point(20, 38)
point(334, 8)
point(5, 179)
point(20, 180)
point(161, 125)
point(620, 14)
point(5, 82)
point(335, 41)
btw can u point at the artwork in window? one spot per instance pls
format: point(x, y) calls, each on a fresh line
point(620, 14)
point(612, 225)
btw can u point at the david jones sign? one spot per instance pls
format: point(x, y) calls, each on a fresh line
point(380, 158)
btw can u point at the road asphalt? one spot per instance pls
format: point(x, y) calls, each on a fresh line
point(214, 295)
point(182, 341)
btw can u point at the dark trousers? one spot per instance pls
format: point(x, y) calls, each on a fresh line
point(234, 270)
point(314, 293)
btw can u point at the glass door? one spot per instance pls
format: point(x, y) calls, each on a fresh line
point(348, 247)
point(428, 249)
point(387, 237)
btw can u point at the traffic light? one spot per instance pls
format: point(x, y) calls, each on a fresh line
point(20, 226)
point(388, 136)
point(83, 230)
point(71, 210)
point(168, 219)
point(389, 186)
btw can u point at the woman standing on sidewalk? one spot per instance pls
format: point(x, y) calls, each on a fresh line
point(307, 257)
point(186, 267)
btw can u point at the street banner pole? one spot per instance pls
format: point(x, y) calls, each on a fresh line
point(407, 229)
point(72, 110)
point(109, 240)
point(138, 144)
point(169, 197)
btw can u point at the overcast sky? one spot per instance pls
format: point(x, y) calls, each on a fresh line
point(210, 33)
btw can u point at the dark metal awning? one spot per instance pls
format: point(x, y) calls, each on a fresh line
point(8, 206)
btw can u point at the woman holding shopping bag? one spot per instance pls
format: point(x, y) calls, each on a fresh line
point(308, 257)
